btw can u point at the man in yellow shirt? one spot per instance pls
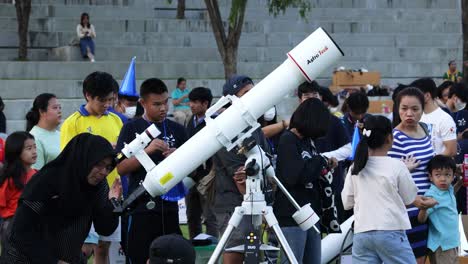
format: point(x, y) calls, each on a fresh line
point(93, 117)
point(453, 74)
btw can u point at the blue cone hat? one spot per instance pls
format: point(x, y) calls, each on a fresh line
point(128, 86)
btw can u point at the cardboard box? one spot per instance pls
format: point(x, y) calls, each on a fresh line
point(353, 80)
point(380, 105)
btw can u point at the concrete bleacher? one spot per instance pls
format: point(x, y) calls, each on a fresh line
point(401, 39)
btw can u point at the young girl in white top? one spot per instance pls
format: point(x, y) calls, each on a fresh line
point(86, 33)
point(379, 188)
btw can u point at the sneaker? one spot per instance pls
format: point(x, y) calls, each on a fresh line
point(93, 60)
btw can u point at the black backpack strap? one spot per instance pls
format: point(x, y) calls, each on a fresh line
point(425, 128)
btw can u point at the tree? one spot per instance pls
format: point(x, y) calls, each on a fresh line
point(180, 9)
point(464, 5)
point(23, 10)
point(228, 43)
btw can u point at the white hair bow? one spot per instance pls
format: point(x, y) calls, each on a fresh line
point(366, 132)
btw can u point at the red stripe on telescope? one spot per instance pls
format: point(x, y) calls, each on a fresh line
point(307, 219)
point(300, 68)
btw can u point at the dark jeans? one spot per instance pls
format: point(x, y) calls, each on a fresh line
point(144, 228)
point(84, 44)
point(198, 206)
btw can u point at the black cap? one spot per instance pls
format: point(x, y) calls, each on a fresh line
point(327, 96)
point(171, 249)
point(235, 83)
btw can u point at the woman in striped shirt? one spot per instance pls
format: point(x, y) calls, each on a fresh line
point(412, 144)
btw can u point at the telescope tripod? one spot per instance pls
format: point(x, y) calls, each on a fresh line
point(257, 167)
point(253, 205)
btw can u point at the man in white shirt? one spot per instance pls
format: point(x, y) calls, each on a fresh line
point(440, 124)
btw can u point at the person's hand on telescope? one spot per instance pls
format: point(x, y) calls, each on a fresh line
point(239, 178)
point(168, 152)
point(156, 145)
point(240, 175)
point(116, 189)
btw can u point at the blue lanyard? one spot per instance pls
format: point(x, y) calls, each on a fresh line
point(195, 122)
point(272, 146)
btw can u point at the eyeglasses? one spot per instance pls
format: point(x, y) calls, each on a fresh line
point(103, 165)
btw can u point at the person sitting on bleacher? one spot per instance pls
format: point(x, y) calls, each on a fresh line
point(86, 33)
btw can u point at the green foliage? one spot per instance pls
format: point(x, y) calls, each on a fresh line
point(276, 7)
point(237, 7)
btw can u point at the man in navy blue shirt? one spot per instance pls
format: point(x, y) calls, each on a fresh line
point(456, 107)
point(144, 225)
point(197, 203)
point(356, 106)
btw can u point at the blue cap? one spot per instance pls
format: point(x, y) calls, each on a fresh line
point(235, 83)
point(128, 86)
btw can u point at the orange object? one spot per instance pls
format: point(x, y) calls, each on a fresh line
point(9, 196)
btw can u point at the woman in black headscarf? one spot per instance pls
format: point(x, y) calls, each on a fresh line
point(59, 203)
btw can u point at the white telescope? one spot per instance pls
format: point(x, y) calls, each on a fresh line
point(305, 62)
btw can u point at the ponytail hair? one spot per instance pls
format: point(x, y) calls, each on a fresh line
point(375, 132)
point(40, 104)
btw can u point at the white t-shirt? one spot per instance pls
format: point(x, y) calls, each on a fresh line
point(379, 195)
point(441, 128)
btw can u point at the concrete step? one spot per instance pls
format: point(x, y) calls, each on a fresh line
point(252, 3)
point(164, 70)
point(11, 54)
point(344, 4)
point(78, 2)
point(27, 89)
point(17, 109)
point(16, 121)
point(72, 89)
point(205, 70)
point(250, 54)
point(111, 12)
point(69, 11)
point(250, 26)
point(206, 39)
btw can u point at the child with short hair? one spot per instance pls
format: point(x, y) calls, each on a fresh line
point(444, 237)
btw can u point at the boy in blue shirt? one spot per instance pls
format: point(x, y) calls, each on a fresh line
point(444, 237)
